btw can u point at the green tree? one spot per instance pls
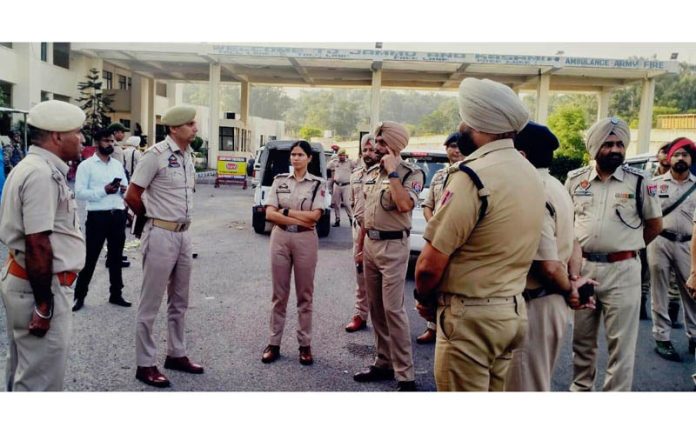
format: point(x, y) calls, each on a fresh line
point(269, 102)
point(95, 102)
point(568, 123)
point(308, 132)
point(443, 120)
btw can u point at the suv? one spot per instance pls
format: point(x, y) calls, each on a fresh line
point(273, 160)
point(429, 162)
point(646, 162)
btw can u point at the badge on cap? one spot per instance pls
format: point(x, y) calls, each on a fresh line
point(614, 120)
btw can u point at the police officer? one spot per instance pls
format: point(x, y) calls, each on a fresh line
point(162, 190)
point(391, 191)
point(480, 244)
point(429, 205)
point(341, 169)
point(552, 282)
point(295, 205)
point(357, 203)
point(670, 251)
point(119, 131)
point(616, 214)
point(39, 225)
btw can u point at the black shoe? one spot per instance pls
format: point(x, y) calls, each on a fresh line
point(337, 223)
point(406, 386)
point(119, 301)
point(124, 264)
point(78, 304)
point(373, 373)
point(665, 350)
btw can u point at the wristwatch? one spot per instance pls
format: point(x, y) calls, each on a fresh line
point(394, 174)
point(286, 211)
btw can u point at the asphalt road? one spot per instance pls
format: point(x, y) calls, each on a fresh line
point(227, 321)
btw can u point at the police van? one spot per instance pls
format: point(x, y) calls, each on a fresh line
point(646, 162)
point(273, 160)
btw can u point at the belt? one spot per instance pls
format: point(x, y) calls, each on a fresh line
point(342, 184)
point(106, 211)
point(532, 294)
point(448, 299)
point(66, 278)
point(294, 228)
point(376, 235)
point(171, 226)
point(675, 236)
point(609, 257)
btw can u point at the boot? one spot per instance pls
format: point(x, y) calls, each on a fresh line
point(673, 311)
point(643, 310)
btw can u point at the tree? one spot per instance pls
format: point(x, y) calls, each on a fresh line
point(568, 123)
point(308, 132)
point(95, 102)
point(269, 102)
point(443, 120)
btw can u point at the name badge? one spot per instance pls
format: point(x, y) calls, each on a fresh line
point(582, 193)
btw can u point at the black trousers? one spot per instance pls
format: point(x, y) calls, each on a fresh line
point(100, 226)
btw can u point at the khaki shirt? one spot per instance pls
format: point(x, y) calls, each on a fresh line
point(557, 235)
point(606, 217)
point(342, 170)
point(37, 199)
point(490, 258)
point(131, 158)
point(437, 186)
point(305, 194)
point(168, 177)
point(357, 198)
point(380, 210)
point(669, 190)
point(118, 152)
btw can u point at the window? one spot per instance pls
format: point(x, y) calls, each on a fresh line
point(6, 44)
point(45, 96)
point(44, 51)
point(108, 80)
point(234, 139)
point(60, 97)
point(6, 93)
point(130, 83)
point(161, 89)
point(61, 54)
point(122, 82)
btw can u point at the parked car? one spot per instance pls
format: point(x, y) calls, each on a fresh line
point(274, 159)
point(646, 162)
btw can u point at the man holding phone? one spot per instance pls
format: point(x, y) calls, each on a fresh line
point(101, 182)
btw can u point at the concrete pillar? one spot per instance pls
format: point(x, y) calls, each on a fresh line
point(645, 115)
point(178, 93)
point(214, 121)
point(375, 98)
point(244, 103)
point(138, 92)
point(49, 53)
point(542, 98)
point(150, 112)
point(26, 93)
point(171, 93)
point(603, 99)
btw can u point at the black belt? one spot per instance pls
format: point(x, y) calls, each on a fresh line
point(107, 211)
point(675, 236)
point(342, 184)
point(376, 235)
point(532, 294)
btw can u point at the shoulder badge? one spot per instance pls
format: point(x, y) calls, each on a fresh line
point(160, 147)
point(580, 171)
point(628, 169)
point(281, 175)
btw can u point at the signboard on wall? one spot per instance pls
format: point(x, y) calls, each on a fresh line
point(231, 168)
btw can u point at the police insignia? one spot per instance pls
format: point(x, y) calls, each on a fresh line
point(173, 162)
point(664, 188)
point(446, 197)
point(417, 187)
point(652, 189)
point(584, 184)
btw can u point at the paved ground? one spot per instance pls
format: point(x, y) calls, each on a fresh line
point(227, 322)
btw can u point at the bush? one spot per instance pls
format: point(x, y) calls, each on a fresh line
point(561, 165)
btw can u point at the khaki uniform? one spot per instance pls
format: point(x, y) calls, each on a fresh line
point(385, 263)
point(167, 174)
point(37, 199)
point(294, 248)
point(548, 315)
point(118, 153)
point(341, 186)
point(131, 158)
point(607, 221)
point(665, 255)
point(481, 316)
point(357, 203)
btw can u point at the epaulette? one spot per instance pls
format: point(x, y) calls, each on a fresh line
point(629, 169)
point(282, 175)
point(580, 171)
point(357, 169)
point(409, 165)
point(373, 168)
point(453, 168)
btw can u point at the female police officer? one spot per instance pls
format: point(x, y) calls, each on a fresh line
point(295, 204)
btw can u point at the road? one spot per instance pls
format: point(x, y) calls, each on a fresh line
point(227, 322)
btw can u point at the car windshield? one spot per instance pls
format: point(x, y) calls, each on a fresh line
point(279, 162)
point(429, 165)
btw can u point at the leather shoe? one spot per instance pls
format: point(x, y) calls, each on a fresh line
point(373, 373)
point(356, 324)
point(406, 386)
point(428, 337)
point(306, 355)
point(124, 264)
point(337, 223)
point(182, 364)
point(151, 376)
point(119, 301)
point(271, 354)
point(665, 350)
point(78, 304)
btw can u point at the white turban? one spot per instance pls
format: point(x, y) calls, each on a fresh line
point(133, 141)
point(491, 107)
point(603, 128)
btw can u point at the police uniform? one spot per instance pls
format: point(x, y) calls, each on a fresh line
point(294, 248)
point(481, 315)
point(670, 252)
point(385, 256)
point(37, 199)
point(609, 227)
point(357, 203)
point(341, 187)
point(167, 174)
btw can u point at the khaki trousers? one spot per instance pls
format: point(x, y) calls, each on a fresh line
point(665, 256)
point(361, 306)
point(35, 364)
point(293, 251)
point(385, 263)
point(341, 196)
point(167, 264)
point(532, 363)
point(618, 304)
point(474, 344)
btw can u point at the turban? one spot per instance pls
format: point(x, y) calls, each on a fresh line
point(133, 141)
point(178, 115)
point(683, 143)
point(535, 135)
point(603, 128)
point(56, 116)
point(491, 107)
point(395, 135)
point(366, 138)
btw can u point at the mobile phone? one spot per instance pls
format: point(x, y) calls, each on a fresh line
point(116, 182)
point(586, 291)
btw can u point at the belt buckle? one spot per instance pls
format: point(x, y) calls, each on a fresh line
point(292, 228)
point(373, 234)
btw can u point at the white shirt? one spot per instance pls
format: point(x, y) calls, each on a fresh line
point(92, 176)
